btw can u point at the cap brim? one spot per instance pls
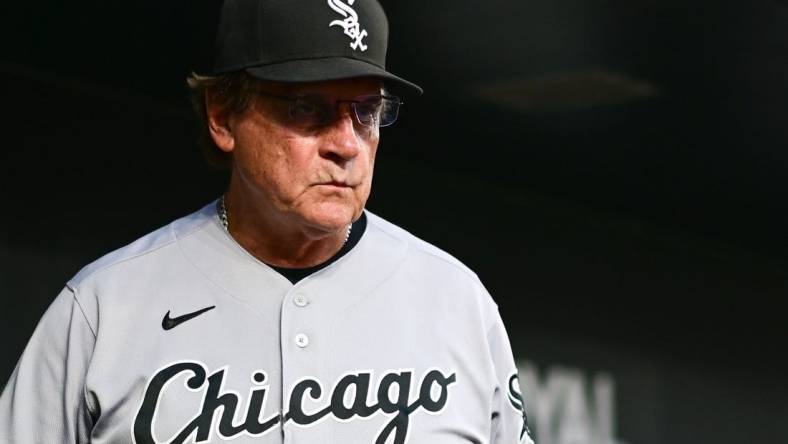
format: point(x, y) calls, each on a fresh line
point(329, 68)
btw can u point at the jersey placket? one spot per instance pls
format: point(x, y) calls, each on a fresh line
point(302, 355)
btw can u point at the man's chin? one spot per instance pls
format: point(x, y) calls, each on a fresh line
point(329, 219)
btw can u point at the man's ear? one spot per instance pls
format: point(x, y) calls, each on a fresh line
point(219, 125)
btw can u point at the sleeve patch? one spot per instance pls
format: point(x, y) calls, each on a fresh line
point(516, 400)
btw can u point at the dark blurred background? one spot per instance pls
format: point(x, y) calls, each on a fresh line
point(615, 171)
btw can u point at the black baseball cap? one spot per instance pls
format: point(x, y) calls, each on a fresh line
point(305, 41)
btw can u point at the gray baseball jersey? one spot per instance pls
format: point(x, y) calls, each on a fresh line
point(183, 337)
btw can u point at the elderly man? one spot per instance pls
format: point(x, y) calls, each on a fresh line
point(284, 312)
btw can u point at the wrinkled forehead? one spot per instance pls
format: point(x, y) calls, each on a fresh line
point(345, 88)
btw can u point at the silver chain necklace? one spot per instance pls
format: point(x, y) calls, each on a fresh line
point(221, 210)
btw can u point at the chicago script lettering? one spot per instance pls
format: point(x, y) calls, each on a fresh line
point(347, 400)
point(201, 425)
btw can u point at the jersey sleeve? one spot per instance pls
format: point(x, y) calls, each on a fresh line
point(44, 401)
point(509, 420)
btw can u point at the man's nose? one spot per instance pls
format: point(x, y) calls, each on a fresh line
point(342, 136)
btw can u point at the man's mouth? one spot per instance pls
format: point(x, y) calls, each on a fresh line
point(336, 183)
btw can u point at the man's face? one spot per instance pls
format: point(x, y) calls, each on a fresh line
point(319, 176)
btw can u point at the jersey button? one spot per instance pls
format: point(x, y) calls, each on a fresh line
point(301, 300)
point(302, 340)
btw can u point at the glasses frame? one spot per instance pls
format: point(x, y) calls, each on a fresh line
point(295, 98)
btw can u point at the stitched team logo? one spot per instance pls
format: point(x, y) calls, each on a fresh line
point(516, 400)
point(225, 412)
point(349, 23)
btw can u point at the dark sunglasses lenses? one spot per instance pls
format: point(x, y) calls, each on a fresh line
point(373, 110)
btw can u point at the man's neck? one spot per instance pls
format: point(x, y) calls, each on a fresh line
point(282, 240)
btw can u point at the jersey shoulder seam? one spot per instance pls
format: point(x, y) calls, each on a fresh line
point(87, 272)
point(85, 395)
point(420, 245)
point(82, 311)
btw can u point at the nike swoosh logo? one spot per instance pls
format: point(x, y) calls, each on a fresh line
point(169, 323)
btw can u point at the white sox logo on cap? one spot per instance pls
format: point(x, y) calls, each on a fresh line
point(350, 23)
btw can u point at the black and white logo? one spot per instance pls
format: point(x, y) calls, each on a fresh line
point(354, 388)
point(517, 402)
point(350, 23)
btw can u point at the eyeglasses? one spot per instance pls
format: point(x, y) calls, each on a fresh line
point(314, 110)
